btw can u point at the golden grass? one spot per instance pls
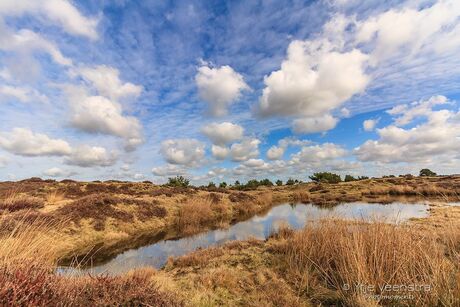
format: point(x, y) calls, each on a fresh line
point(16, 202)
point(195, 214)
point(27, 275)
point(55, 197)
point(340, 263)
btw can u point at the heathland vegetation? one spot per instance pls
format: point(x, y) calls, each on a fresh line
point(45, 222)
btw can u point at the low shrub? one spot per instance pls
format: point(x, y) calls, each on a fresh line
point(325, 177)
point(178, 181)
point(17, 202)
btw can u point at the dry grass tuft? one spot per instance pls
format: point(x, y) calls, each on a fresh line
point(195, 214)
point(27, 265)
point(17, 202)
point(54, 197)
point(338, 263)
point(301, 196)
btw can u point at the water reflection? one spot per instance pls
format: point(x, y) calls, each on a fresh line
point(260, 227)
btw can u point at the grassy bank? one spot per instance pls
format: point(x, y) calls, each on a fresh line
point(326, 263)
point(105, 216)
point(329, 263)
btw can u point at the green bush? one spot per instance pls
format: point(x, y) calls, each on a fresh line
point(349, 178)
point(279, 182)
point(427, 172)
point(178, 181)
point(211, 185)
point(326, 177)
point(290, 181)
point(266, 182)
point(223, 185)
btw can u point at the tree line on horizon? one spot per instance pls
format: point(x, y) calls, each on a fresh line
point(319, 177)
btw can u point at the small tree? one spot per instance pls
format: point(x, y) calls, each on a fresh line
point(349, 178)
point(237, 183)
point(178, 181)
point(326, 177)
point(290, 181)
point(223, 185)
point(252, 184)
point(427, 172)
point(279, 182)
point(211, 184)
point(266, 182)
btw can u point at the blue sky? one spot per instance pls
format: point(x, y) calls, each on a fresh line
point(226, 90)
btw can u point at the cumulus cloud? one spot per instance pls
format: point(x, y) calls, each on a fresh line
point(22, 94)
point(90, 156)
point(188, 152)
point(314, 124)
point(106, 80)
point(223, 133)
point(57, 172)
point(320, 74)
point(275, 152)
point(418, 30)
point(423, 108)
point(369, 124)
point(316, 155)
point(24, 142)
point(220, 152)
point(25, 42)
point(98, 114)
point(316, 78)
point(219, 87)
point(437, 136)
point(60, 12)
point(169, 170)
point(245, 150)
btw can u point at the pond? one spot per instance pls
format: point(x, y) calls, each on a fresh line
point(259, 227)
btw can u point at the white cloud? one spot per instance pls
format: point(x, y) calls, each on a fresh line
point(220, 152)
point(415, 40)
point(316, 78)
point(107, 81)
point(23, 94)
point(3, 161)
point(188, 152)
point(25, 42)
point(90, 156)
point(316, 155)
point(438, 136)
point(410, 30)
point(57, 172)
point(247, 149)
point(219, 87)
point(422, 108)
point(97, 114)
point(369, 124)
point(223, 133)
point(22, 141)
point(314, 124)
point(169, 170)
point(275, 152)
point(60, 12)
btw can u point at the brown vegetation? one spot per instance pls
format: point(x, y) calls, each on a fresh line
point(20, 202)
point(27, 276)
point(41, 221)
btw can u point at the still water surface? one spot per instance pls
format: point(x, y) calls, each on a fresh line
point(259, 227)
